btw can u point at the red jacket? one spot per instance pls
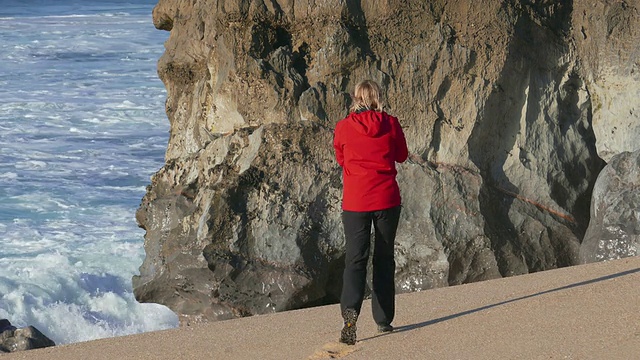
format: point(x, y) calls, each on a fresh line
point(368, 144)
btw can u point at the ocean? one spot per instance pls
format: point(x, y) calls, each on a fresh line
point(82, 130)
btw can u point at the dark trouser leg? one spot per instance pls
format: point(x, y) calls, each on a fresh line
point(357, 232)
point(383, 293)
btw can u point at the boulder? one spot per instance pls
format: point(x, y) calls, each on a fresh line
point(6, 325)
point(614, 229)
point(13, 339)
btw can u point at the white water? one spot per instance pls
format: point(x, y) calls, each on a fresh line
point(82, 129)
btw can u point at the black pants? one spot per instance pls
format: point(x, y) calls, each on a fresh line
point(357, 231)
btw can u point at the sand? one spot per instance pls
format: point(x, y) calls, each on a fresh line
point(582, 312)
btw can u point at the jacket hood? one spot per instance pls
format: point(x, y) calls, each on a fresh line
point(370, 123)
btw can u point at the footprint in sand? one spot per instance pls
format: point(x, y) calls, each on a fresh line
point(333, 350)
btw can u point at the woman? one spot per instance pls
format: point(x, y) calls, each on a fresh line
point(368, 143)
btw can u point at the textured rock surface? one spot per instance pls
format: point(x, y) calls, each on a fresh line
point(496, 99)
point(607, 36)
point(13, 339)
point(614, 230)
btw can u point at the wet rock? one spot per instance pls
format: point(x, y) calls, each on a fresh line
point(614, 230)
point(13, 339)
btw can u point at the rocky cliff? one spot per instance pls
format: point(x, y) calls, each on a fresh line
point(511, 109)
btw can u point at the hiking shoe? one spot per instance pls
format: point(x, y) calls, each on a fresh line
point(385, 328)
point(348, 334)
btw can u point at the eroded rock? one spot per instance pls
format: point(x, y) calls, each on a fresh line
point(607, 35)
point(496, 101)
point(614, 230)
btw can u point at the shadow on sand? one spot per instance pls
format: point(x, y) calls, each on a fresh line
point(486, 307)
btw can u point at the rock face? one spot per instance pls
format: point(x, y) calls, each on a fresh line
point(607, 36)
point(614, 230)
point(496, 99)
point(14, 339)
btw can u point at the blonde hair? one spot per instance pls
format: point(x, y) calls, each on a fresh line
point(366, 96)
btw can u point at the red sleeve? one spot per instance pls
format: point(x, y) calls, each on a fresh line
point(337, 145)
point(401, 150)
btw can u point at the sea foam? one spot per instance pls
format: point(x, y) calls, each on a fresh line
point(82, 129)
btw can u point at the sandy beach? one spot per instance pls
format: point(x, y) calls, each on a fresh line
point(582, 312)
